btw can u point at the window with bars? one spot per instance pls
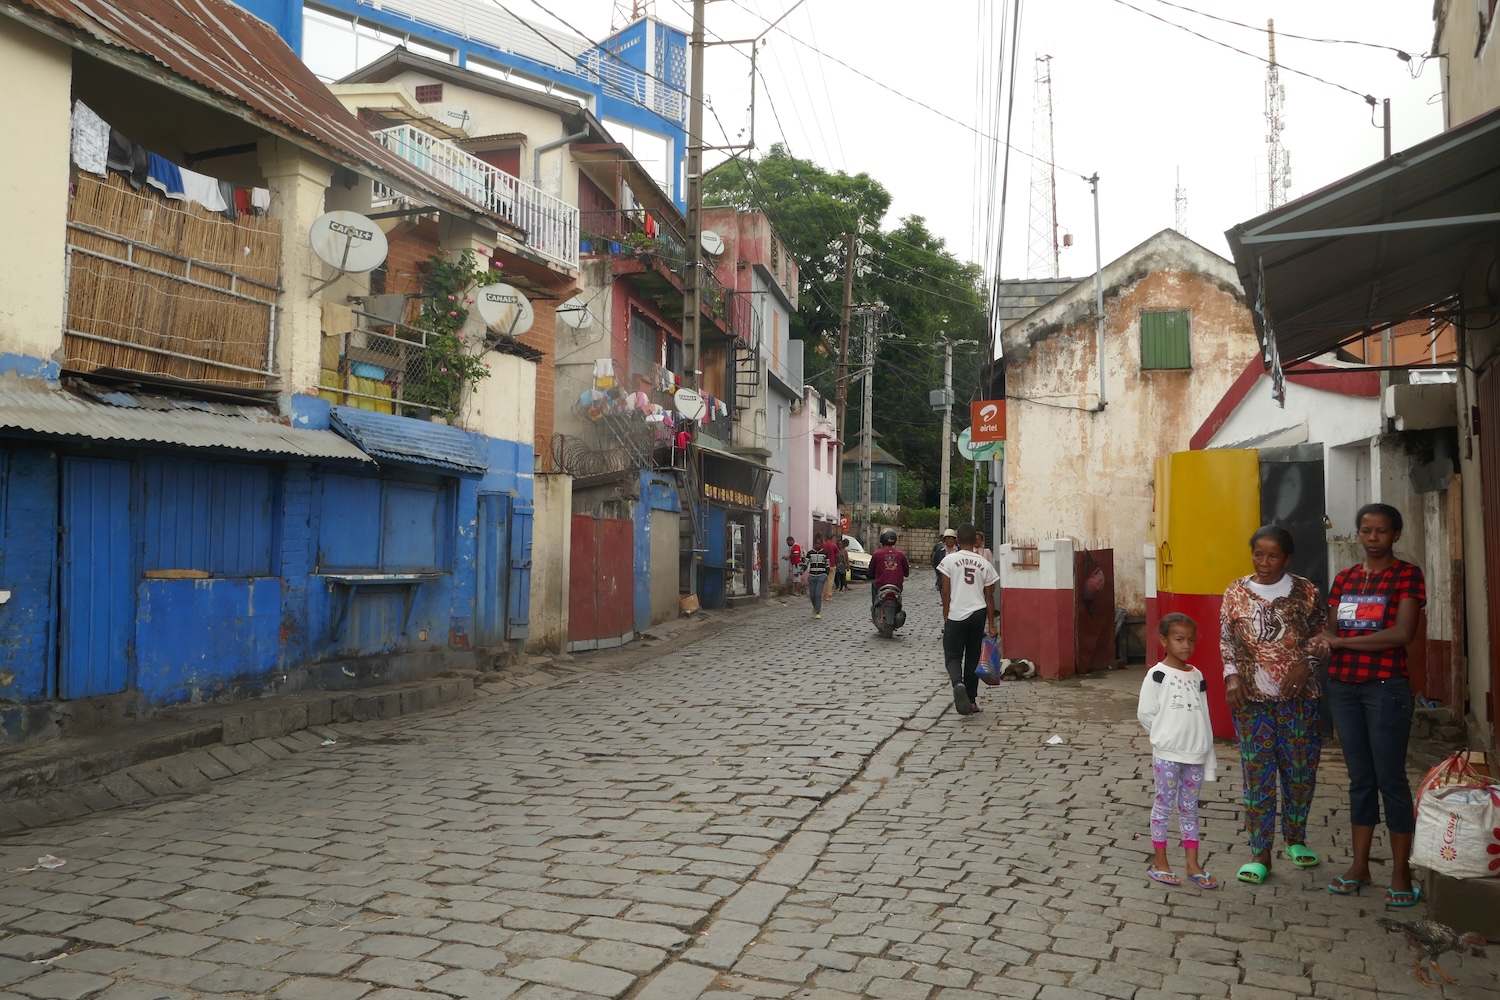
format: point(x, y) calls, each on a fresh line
point(429, 93)
point(1165, 341)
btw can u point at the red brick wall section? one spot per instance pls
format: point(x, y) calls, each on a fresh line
point(410, 246)
point(543, 337)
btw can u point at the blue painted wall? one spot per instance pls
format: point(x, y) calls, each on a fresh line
point(657, 492)
point(269, 532)
point(28, 566)
point(283, 15)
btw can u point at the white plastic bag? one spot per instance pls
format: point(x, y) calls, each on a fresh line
point(1458, 831)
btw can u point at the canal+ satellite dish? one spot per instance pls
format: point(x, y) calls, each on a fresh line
point(574, 313)
point(504, 310)
point(712, 242)
point(690, 404)
point(348, 242)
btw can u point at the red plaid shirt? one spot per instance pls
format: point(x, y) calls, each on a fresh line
point(1363, 604)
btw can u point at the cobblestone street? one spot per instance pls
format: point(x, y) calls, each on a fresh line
point(782, 808)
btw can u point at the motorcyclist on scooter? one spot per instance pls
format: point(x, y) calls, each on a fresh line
point(888, 565)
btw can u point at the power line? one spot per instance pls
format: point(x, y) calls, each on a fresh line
point(887, 87)
point(1243, 52)
point(1285, 34)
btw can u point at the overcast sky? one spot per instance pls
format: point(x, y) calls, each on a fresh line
point(1134, 99)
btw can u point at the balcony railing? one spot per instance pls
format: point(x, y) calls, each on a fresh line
point(637, 227)
point(551, 224)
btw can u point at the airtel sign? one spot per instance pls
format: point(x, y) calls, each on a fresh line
point(987, 420)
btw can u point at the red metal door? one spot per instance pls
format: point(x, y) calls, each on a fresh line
point(601, 585)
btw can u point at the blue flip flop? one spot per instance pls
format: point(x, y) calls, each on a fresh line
point(1397, 899)
point(1347, 887)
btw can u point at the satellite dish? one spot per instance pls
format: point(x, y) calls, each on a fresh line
point(348, 241)
point(713, 243)
point(575, 313)
point(459, 118)
point(690, 404)
point(504, 310)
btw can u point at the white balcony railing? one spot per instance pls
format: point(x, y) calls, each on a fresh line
point(551, 224)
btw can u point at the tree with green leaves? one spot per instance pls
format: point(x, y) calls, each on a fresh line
point(929, 292)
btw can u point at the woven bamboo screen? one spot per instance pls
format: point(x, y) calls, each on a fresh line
point(168, 288)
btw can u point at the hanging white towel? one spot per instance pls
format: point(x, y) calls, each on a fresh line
point(203, 189)
point(260, 200)
point(90, 139)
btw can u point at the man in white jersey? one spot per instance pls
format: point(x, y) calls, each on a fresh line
point(968, 582)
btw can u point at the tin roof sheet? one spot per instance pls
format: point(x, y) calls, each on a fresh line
point(132, 418)
point(1323, 287)
point(225, 49)
point(404, 439)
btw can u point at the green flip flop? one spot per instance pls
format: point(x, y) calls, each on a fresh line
point(1302, 857)
point(1255, 873)
point(1346, 886)
point(1396, 898)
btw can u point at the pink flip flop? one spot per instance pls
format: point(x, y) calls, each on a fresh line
point(1165, 878)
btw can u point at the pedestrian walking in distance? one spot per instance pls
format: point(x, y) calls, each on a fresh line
point(818, 564)
point(948, 543)
point(968, 586)
point(1174, 709)
point(794, 559)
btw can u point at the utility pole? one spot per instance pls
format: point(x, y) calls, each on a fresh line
point(692, 302)
point(947, 431)
point(868, 428)
point(841, 388)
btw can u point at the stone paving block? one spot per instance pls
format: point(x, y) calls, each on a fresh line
point(153, 779)
point(234, 979)
point(466, 956)
point(104, 961)
point(395, 946)
point(64, 985)
point(29, 947)
point(753, 903)
point(174, 943)
point(109, 932)
point(304, 988)
point(632, 958)
point(468, 983)
point(124, 788)
point(230, 757)
point(14, 971)
point(677, 982)
point(574, 976)
point(182, 773)
point(397, 972)
point(242, 953)
point(316, 963)
point(636, 932)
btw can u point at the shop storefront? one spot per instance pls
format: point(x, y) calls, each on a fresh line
point(734, 564)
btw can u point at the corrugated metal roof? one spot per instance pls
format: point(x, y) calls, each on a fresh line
point(130, 418)
point(229, 51)
point(403, 439)
point(1327, 289)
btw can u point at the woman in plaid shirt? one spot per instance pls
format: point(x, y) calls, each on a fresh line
point(1373, 608)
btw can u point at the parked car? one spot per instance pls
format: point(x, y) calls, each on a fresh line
point(859, 559)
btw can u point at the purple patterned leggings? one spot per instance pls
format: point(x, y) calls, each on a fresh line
point(1177, 787)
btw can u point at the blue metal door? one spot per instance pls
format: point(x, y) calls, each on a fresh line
point(492, 565)
point(520, 569)
point(97, 596)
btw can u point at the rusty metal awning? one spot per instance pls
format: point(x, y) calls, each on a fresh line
point(31, 408)
point(1376, 248)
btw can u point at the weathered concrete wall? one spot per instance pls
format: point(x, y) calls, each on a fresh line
point(552, 552)
point(1473, 77)
point(36, 199)
point(1074, 473)
point(664, 555)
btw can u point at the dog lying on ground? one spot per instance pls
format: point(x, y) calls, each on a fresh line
point(1017, 670)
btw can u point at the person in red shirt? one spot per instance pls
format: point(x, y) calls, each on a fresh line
point(1373, 610)
point(888, 565)
point(831, 549)
point(794, 557)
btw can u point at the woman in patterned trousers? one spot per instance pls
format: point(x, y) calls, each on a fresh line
point(1267, 622)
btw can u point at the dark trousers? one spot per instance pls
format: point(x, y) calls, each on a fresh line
point(1373, 720)
point(962, 641)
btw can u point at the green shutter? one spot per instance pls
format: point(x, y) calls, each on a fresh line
point(1164, 340)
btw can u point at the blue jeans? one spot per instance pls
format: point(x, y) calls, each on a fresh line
point(815, 583)
point(1373, 720)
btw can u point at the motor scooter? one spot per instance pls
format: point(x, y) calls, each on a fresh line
point(887, 615)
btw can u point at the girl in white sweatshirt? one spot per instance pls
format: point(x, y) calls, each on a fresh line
point(1174, 709)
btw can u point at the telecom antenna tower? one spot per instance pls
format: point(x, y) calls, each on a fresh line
point(627, 12)
point(1278, 159)
point(1181, 205)
point(1042, 257)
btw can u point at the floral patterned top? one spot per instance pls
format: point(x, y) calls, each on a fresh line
point(1261, 640)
